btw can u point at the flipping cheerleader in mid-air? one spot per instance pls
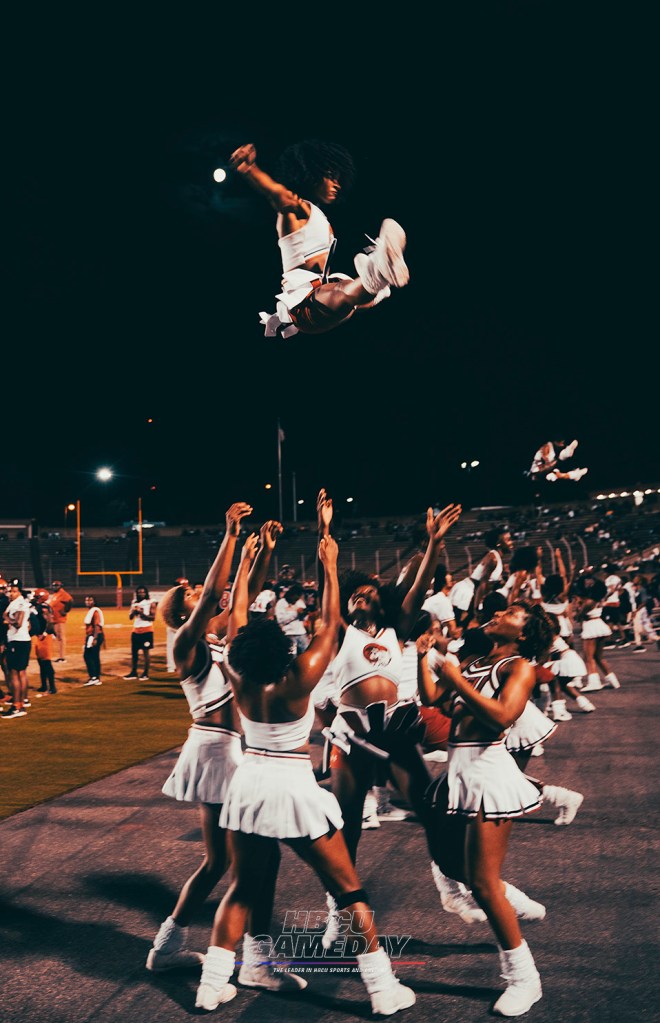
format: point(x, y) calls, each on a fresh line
point(549, 456)
point(313, 300)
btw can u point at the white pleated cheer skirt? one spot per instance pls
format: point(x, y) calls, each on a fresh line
point(206, 765)
point(531, 728)
point(462, 593)
point(569, 665)
point(487, 776)
point(594, 628)
point(277, 796)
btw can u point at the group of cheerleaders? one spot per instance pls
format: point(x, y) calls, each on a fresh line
point(381, 679)
point(246, 761)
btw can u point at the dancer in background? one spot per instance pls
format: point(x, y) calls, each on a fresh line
point(313, 300)
point(547, 459)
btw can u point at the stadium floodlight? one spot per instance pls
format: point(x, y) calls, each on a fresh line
point(349, 500)
point(300, 500)
point(219, 175)
point(474, 464)
point(600, 497)
point(268, 486)
point(104, 474)
point(463, 465)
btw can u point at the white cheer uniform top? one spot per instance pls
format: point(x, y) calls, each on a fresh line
point(140, 623)
point(485, 679)
point(495, 575)
point(278, 736)
point(208, 689)
point(313, 239)
point(362, 656)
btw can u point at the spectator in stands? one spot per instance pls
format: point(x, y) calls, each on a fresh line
point(143, 616)
point(290, 611)
point(313, 300)
point(17, 619)
point(61, 603)
point(642, 624)
point(94, 639)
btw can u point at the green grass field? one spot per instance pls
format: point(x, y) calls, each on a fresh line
point(81, 735)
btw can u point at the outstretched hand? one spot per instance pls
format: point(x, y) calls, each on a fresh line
point(328, 551)
point(250, 548)
point(269, 533)
point(324, 511)
point(243, 158)
point(437, 526)
point(234, 515)
point(424, 643)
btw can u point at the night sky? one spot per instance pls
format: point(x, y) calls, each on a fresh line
point(512, 142)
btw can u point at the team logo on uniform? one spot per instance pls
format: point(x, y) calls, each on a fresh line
point(376, 654)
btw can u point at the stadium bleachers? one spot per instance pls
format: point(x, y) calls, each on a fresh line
point(591, 533)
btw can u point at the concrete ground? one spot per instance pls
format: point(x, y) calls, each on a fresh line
point(89, 876)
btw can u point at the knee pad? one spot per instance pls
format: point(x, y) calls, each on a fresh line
point(348, 898)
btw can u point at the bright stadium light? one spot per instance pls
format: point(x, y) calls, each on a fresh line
point(104, 474)
point(219, 175)
point(474, 464)
point(268, 486)
point(349, 500)
point(463, 465)
point(600, 497)
point(300, 500)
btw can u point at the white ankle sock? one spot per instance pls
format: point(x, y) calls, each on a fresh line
point(376, 970)
point(170, 937)
point(218, 966)
point(252, 952)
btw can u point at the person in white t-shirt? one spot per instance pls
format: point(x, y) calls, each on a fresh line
point(439, 606)
point(19, 645)
point(289, 613)
point(143, 615)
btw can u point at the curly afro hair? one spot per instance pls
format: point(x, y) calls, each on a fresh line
point(390, 598)
point(539, 631)
point(260, 652)
point(303, 165)
point(172, 607)
point(524, 559)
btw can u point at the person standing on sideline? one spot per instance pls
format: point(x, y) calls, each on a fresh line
point(61, 603)
point(19, 644)
point(41, 631)
point(94, 640)
point(143, 616)
point(4, 602)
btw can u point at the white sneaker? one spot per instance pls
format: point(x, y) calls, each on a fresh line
point(593, 686)
point(385, 264)
point(611, 682)
point(583, 704)
point(370, 812)
point(393, 998)
point(456, 898)
point(364, 272)
point(558, 711)
point(183, 958)
point(388, 812)
point(569, 808)
point(210, 998)
point(436, 756)
point(577, 474)
point(331, 932)
point(538, 750)
point(518, 998)
point(266, 977)
point(526, 908)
